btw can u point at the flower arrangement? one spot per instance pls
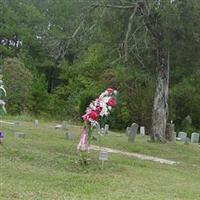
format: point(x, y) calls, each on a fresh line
point(98, 108)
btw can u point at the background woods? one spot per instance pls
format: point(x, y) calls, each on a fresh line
point(56, 53)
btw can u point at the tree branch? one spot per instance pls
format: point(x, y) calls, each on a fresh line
point(128, 32)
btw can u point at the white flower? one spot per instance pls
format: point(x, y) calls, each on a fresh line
point(115, 92)
point(2, 103)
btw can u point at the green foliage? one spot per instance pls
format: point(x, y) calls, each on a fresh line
point(67, 53)
point(39, 98)
point(186, 99)
point(17, 80)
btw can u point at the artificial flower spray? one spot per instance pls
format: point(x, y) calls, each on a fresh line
point(96, 110)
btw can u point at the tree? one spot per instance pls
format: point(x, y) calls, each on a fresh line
point(17, 81)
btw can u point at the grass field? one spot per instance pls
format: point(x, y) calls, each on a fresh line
point(44, 165)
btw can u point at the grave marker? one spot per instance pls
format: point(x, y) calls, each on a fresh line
point(195, 138)
point(103, 156)
point(182, 135)
point(64, 125)
point(19, 134)
point(106, 128)
point(69, 135)
point(142, 130)
point(36, 123)
point(128, 129)
point(133, 132)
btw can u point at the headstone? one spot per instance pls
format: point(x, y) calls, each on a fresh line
point(195, 138)
point(106, 128)
point(182, 135)
point(69, 135)
point(187, 121)
point(102, 131)
point(133, 132)
point(142, 130)
point(64, 125)
point(19, 134)
point(36, 123)
point(187, 141)
point(169, 131)
point(173, 137)
point(128, 129)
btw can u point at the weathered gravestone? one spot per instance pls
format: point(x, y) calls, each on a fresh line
point(133, 132)
point(128, 129)
point(106, 128)
point(64, 125)
point(187, 141)
point(36, 123)
point(142, 130)
point(19, 134)
point(102, 131)
point(169, 133)
point(69, 135)
point(173, 137)
point(195, 138)
point(182, 135)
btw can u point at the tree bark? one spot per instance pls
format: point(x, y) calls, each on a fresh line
point(160, 105)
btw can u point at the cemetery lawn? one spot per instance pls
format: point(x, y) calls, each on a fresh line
point(44, 165)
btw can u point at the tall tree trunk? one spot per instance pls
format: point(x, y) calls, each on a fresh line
point(160, 106)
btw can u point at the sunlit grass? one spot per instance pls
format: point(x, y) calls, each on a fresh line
point(44, 165)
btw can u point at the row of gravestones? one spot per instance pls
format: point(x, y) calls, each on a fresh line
point(131, 132)
point(62, 126)
point(194, 137)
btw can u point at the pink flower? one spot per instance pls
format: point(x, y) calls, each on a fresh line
point(93, 115)
point(112, 102)
point(110, 90)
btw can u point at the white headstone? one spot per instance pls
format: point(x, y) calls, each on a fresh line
point(106, 128)
point(142, 130)
point(195, 138)
point(182, 135)
point(36, 123)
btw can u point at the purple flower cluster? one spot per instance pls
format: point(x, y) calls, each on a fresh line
point(1, 134)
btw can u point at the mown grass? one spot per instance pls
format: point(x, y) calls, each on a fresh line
point(44, 165)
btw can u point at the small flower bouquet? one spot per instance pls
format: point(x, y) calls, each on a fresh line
point(98, 108)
